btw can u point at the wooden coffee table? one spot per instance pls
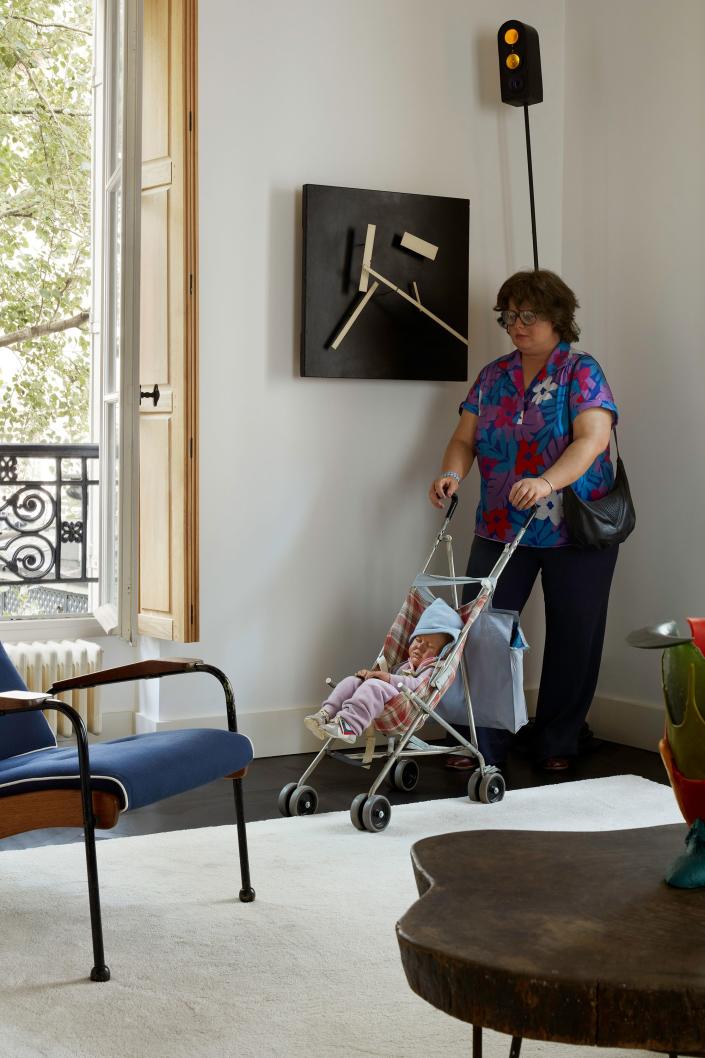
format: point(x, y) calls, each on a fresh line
point(572, 937)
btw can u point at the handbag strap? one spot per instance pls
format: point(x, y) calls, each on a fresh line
point(578, 358)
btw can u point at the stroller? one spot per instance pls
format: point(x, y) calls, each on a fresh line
point(405, 714)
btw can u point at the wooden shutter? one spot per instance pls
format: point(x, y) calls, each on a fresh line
point(168, 564)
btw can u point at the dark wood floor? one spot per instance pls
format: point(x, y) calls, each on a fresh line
point(337, 783)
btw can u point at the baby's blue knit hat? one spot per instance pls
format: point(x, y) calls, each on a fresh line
point(439, 617)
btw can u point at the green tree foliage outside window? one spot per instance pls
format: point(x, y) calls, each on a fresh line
point(45, 191)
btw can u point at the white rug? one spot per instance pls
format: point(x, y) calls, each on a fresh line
point(310, 970)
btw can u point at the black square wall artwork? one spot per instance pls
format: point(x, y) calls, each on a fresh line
point(385, 285)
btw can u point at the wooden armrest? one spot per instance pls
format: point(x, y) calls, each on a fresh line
point(141, 670)
point(11, 701)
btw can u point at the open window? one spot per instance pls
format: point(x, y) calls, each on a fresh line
point(116, 299)
point(133, 317)
point(149, 303)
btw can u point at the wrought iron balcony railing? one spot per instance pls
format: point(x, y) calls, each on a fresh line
point(48, 498)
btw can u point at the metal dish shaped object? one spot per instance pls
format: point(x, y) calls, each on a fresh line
point(657, 637)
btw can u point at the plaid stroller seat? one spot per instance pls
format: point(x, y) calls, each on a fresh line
point(402, 710)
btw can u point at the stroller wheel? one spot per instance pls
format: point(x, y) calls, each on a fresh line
point(405, 775)
point(284, 798)
point(356, 811)
point(303, 801)
point(492, 787)
point(474, 785)
point(376, 813)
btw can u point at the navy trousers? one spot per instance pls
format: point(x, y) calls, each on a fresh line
point(576, 586)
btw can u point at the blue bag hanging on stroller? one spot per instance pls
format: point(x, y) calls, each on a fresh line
point(494, 660)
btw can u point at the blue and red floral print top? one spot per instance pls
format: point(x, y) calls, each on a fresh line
point(522, 434)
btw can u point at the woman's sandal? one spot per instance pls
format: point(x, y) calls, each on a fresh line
point(460, 763)
point(555, 764)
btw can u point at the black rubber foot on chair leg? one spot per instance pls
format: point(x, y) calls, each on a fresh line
point(247, 895)
point(100, 973)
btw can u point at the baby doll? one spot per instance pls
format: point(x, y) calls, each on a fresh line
point(357, 700)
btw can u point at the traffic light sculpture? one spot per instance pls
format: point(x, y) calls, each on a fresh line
point(519, 64)
point(521, 86)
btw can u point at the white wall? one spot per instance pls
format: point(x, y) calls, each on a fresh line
point(633, 236)
point(313, 510)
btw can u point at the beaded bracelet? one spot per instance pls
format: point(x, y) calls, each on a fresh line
point(450, 474)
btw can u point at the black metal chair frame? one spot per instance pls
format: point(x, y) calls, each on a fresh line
point(31, 701)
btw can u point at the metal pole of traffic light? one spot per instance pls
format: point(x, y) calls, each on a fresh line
point(531, 185)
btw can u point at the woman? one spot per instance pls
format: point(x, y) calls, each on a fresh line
point(538, 420)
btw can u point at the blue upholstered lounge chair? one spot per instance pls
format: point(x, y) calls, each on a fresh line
point(42, 785)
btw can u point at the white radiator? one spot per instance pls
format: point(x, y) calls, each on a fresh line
point(42, 664)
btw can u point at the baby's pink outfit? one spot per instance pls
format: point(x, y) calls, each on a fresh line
point(362, 701)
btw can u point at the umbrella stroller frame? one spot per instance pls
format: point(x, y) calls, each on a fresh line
point(371, 810)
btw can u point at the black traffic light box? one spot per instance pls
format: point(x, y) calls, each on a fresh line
point(519, 64)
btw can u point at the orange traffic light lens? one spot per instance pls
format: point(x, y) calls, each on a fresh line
point(511, 36)
point(513, 61)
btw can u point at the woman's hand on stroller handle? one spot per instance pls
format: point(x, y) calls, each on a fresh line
point(443, 488)
point(528, 491)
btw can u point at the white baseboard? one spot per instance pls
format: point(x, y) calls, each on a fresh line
point(278, 732)
point(629, 723)
point(274, 733)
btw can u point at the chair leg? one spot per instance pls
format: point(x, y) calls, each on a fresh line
point(247, 893)
point(100, 971)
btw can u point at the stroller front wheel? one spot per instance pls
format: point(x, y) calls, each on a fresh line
point(376, 813)
point(356, 811)
point(303, 801)
point(284, 798)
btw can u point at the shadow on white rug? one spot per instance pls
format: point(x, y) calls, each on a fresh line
point(310, 970)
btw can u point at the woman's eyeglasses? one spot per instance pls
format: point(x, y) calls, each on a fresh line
point(509, 317)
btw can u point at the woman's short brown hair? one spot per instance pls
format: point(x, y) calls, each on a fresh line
point(547, 295)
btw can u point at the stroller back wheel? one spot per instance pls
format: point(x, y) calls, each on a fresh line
point(405, 775)
point(492, 787)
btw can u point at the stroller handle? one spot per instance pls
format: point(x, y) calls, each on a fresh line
point(451, 509)
point(442, 535)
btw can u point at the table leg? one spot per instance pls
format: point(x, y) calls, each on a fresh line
point(477, 1041)
point(515, 1047)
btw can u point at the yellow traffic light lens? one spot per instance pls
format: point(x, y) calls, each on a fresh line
point(511, 36)
point(513, 61)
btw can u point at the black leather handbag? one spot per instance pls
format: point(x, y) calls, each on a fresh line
point(604, 522)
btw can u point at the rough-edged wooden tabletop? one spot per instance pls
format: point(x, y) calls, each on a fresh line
point(573, 937)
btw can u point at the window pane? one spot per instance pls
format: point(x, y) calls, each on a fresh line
point(112, 309)
point(110, 503)
point(115, 82)
point(46, 77)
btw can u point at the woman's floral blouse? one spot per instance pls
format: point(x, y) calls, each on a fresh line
point(522, 434)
